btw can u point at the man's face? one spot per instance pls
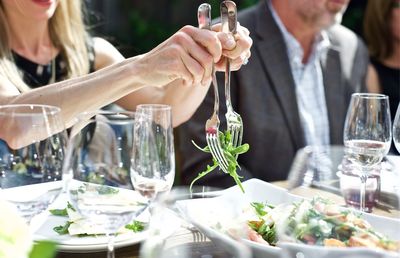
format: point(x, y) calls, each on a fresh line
point(320, 13)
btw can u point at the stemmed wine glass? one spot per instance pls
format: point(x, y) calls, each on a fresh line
point(32, 145)
point(396, 129)
point(98, 169)
point(367, 134)
point(153, 166)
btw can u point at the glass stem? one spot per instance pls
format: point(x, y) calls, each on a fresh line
point(110, 246)
point(363, 187)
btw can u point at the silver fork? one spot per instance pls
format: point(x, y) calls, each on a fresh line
point(212, 124)
point(233, 120)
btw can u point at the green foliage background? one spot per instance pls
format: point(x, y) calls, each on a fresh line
point(136, 26)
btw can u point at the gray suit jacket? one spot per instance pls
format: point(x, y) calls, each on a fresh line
point(263, 92)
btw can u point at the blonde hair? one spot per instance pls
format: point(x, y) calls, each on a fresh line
point(377, 31)
point(67, 33)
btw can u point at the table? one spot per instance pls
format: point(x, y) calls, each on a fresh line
point(205, 246)
point(199, 244)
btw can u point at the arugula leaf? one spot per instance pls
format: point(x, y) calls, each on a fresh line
point(230, 154)
point(259, 207)
point(59, 212)
point(69, 206)
point(202, 174)
point(63, 229)
point(43, 249)
point(62, 212)
point(136, 226)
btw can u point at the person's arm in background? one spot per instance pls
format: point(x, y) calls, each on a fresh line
point(373, 85)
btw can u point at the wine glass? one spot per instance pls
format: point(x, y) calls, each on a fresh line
point(184, 224)
point(98, 171)
point(396, 129)
point(153, 166)
point(367, 134)
point(32, 145)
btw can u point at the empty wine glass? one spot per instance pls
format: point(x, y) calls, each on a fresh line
point(153, 167)
point(185, 222)
point(32, 145)
point(396, 129)
point(367, 134)
point(99, 164)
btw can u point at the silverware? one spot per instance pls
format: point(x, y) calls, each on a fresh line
point(212, 124)
point(233, 119)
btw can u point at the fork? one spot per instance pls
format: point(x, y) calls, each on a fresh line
point(233, 120)
point(212, 124)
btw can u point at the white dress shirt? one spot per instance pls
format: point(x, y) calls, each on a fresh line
point(308, 79)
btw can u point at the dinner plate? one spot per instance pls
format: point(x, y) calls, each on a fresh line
point(43, 230)
point(208, 214)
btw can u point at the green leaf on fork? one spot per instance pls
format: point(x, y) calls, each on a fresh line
point(230, 153)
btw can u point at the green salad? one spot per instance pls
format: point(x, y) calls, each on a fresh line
point(316, 222)
point(79, 226)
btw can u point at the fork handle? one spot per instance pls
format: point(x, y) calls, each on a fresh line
point(204, 20)
point(229, 25)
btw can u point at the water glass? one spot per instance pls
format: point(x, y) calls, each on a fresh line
point(32, 148)
point(367, 134)
point(153, 167)
point(181, 226)
point(98, 169)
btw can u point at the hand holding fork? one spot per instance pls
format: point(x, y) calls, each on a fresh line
point(212, 124)
point(233, 119)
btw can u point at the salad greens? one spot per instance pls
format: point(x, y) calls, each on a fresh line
point(318, 222)
point(266, 228)
point(230, 154)
point(135, 226)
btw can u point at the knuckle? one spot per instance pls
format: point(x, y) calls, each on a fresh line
point(180, 37)
point(186, 28)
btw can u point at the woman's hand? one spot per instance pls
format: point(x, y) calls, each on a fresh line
point(189, 54)
point(236, 47)
point(186, 55)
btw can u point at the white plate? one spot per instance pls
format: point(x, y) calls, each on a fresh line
point(233, 200)
point(44, 224)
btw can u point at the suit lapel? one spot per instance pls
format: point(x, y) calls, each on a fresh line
point(334, 92)
point(272, 49)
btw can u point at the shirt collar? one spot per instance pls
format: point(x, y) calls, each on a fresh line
point(294, 49)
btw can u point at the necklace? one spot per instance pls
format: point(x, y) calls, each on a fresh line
point(53, 71)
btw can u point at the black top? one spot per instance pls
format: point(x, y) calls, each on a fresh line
point(389, 79)
point(37, 75)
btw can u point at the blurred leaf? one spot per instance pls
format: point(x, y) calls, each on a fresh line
point(44, 249)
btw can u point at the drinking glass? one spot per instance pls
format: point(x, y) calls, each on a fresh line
point(183, 223)
point(396, 129)
point(32, 145)
point(98, 169)
point(153, 167)
point(327, 172)
point(367, 134)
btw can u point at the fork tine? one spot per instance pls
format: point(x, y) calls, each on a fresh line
point(234, 138)
point(221, 157)
point(215, 149)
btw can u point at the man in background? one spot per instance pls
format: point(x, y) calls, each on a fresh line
point(294, 91)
